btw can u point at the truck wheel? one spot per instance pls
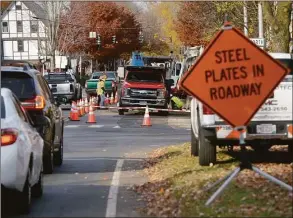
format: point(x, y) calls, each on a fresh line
point(194, 144)
point(207, 151)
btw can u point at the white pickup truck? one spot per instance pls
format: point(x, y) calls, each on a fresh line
point(271, 125)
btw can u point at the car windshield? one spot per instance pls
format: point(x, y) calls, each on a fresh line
point(21, 84)
point(59, 77)
point(109, 75)
point(3, 112)
point(144, 77)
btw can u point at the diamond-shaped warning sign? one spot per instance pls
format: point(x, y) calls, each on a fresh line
point(233, 77)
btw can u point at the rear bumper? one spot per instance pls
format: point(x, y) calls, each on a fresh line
point(68, 96)
point(225, 133)
point(143, 102)
point(11, 167)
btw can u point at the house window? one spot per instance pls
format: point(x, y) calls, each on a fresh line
point(4, 27)
point(20, 45)
point(18, 7)
point(34, 26)
point(19, 26)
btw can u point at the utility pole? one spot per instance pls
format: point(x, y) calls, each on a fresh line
point(260, 21)
point(245, 18)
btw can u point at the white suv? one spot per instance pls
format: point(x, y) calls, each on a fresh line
point(271, 125)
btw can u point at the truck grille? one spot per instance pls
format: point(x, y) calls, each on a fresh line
point(143, 93)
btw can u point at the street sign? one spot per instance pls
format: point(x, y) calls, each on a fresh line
point(259, 41)
point(233, 77)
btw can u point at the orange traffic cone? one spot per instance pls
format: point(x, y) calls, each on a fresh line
point(91, 116)
point(86, 106)
point(112, 99)
point(146, 119)
point(74, 116)
point(79, 108)
point(82, 107)
point(107, 100)
point(116, 98)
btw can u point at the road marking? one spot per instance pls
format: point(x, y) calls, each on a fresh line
point(95, 126)
point(113, 193)
point(71, 126)
point(116, 127)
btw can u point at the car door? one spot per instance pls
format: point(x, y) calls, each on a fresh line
point(57, 113)
point(33, 138)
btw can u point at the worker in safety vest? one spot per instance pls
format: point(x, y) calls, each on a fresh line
point(176, 102)
point(101, 91)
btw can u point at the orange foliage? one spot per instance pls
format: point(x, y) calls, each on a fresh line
point(194, 21)
point(104, 18)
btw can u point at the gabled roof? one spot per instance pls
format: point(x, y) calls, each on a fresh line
point(32, 6)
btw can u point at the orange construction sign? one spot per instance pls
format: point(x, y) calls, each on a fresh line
point(233, 77)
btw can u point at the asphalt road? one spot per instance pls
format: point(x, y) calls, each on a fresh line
point(100, 162)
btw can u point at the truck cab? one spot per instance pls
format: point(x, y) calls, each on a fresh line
point(144, 85)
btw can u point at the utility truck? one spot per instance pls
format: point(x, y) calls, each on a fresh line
point(145, 83)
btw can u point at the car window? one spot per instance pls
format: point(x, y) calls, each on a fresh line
point(3, 111)
point(144, 77)
point(58, 77)
point(21, 84)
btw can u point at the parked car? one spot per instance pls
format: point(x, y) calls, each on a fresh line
point(64, 85)
point(21, 152)
point(33, 91)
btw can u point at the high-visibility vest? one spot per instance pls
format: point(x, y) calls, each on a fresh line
point(100, 85)
point(177, 101)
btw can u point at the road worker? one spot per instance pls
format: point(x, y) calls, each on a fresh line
point(101, 91)
point(176, 103)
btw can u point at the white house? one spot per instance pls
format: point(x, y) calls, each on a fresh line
point(23, 32)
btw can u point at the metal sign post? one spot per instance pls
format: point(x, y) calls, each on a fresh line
point(244, 164)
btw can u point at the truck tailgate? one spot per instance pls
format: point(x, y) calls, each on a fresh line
point(276, 108)
point(92, 84)
point(63, 88)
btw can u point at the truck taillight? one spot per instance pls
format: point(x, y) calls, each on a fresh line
point(38, 103)
point(8, 136)
point(206, 110)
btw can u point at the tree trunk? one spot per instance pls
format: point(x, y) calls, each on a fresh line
point(278, 16)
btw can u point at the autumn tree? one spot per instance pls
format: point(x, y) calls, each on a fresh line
point(154, 41)
point(198, 22)
point(104, 18)
point(277, 16)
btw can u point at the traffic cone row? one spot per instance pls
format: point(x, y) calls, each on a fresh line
point(83, 107)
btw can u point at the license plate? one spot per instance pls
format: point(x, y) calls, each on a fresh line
point(142, 102)
point(266, 129)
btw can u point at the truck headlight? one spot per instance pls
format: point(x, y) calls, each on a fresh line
point(161, 93)
point(125, 92)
